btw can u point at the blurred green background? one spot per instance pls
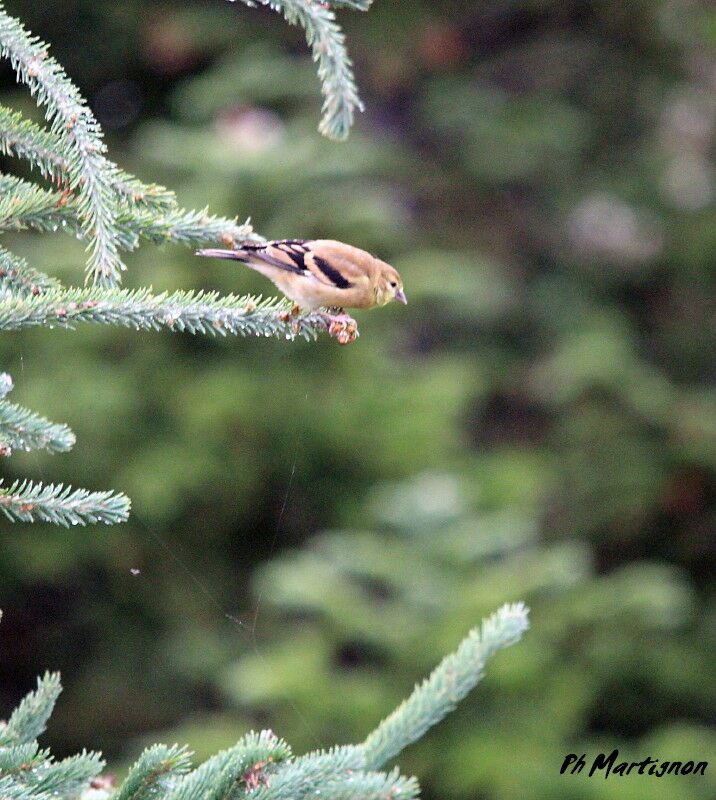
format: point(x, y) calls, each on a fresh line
point(537, 424)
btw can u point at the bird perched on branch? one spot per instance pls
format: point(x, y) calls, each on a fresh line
point(321, 272)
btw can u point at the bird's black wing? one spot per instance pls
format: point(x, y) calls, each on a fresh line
point(287, 254)
point(297, 256)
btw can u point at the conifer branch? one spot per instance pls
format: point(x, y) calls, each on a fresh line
point(26, 501)
point(259, 765)
point(153, 772)
point(371, 786)
point(42, 148)
point(20, 428)
point(449, 682)
point(17, 277)
point(193, 312)
point(136, 193)
point(73, 122)
point(29, 719)
point(68, 775)
point(19, 758)
point(24, 139)
point(184, 227)
point(12, 789)
point(26, 205)
point(301, 776)
point(327, 42)
point(218, 776)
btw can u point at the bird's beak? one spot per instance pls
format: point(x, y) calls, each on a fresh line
point(400, 297)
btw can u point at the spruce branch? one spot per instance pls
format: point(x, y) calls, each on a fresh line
point(302, 776)
point(19, 758)
point(217, 777)
point(371, 786)
point(66, 776)
point(193, 228)
point(43, 149)
point(23, 138)
point(26, 501)
point(73, 122)
point(12, 789)
point(153, 772)
point(17, 277)
point(327, 42)
point(143, 195)
point(29, 719)
point(21, 428)
point(259, 765)
point(193, 312)
point(25, 205)
point(449, 682)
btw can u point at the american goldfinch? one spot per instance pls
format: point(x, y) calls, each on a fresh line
point(321, 272)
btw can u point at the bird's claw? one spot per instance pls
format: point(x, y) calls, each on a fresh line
point(341, 327)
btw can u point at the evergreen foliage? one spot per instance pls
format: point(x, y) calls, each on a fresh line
point(113, 210)
point(195, 312)
point(80, 139)
point(21, 428)
point(327, 42)
point(25, 501)
point(19, 279)
point(259, 765)
point(447, 685)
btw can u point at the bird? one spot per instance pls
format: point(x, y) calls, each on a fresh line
point(318, 273)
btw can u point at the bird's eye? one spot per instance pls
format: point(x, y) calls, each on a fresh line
point(393, 284)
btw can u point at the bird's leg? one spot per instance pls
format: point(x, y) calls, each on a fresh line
point(336, 315)
point(340, 326)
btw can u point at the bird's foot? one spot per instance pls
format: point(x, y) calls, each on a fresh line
point(341, 327)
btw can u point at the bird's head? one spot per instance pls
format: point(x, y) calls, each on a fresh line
point(389, 285)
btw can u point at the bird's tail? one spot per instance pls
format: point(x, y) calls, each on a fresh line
point(236, 255)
